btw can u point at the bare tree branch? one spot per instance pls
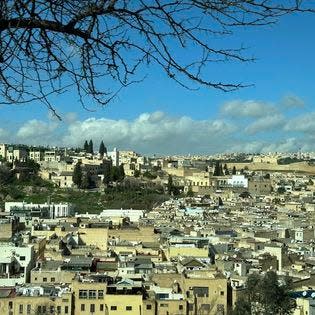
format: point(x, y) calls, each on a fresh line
point(50, 46)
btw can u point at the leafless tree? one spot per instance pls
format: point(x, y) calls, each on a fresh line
point(97, 47)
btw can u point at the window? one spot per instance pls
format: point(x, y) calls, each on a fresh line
point(163, 305)
point(22, 258)
point(149, 307)
point(44, 309)
point(180, 307)
point(39, 309)
point(222, 293)
point(113, 308)
point(128, 308)
point(52, 280)
point(52, 309)
point(82, 294)
point(10, 304)
point(201, 291)
point(100, 294)
point(44, 279)
point(190, 307)
point(21, 309)
point(82, 307)
point(92, 308)
point(28, 309)
point(59, 309)
point(101, 307)
point(66, 309)
point(92, 294)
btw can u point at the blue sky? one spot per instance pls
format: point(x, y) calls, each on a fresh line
point(283, 94)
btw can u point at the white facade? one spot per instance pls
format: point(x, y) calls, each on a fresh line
point(114, 155)
point(3, 151)
point(15, 264)
point(238, 181)
point(55, 210)
point(133, 215)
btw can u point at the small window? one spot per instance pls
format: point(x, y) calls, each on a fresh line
point(52, 280)
point(10, 304)
point(44, 279)
point(66, 309)
point(113, 308)
point(92, 308)
point(101, 307)
point(180, 307)
point(58, 309)
point(100, 294)
point(21, 309)
point(149, 307)
point(82, 307)
point(28, 309)
point(92, 294)
point(128, 308)
point(222, 293)
point(22, 257)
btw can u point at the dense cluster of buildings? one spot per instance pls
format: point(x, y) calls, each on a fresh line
point(188, 256)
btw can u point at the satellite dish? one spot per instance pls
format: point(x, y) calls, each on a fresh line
point(304, 293)
point(313, 295)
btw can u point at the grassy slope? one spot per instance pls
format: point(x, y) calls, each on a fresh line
point(84, 201)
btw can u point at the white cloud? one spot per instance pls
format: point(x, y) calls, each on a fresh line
point(265, 124)
point(303, 123)
point(37, 132)
point(153, 132)
point(241, 126)
point(292, 101)
point(3, 135)
point(250, 108)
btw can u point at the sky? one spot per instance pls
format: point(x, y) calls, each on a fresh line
point(157, 116)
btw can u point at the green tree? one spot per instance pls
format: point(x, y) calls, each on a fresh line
point(114, 174)
point(121, 172)
point(170, 186)
point(242, 307)
point(87, 182)
point(86, 146)
point(107, 174)
point(226, 170)
point(189, 193)
point(90, 147)
point(102, 150)
point(6, 175)
point(217, 170)
point(234, 170)
point(77, 175)
point(265, 295)
point(137, 173)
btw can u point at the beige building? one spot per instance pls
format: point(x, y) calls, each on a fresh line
point(35, 300)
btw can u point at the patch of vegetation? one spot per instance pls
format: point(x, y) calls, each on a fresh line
point(288, 160)
point(40, 191)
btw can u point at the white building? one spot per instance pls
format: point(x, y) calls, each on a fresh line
point(133, 215)
point(114, 155)
point(16, 263)
point(3, 150)
point(44, 210)
point(238, 181)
